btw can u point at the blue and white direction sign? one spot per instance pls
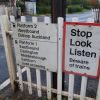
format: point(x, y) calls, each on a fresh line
point(81, 48)
point(36, 45)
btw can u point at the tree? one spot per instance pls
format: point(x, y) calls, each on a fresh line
point(4, 0)
point(74, 2)
point(21, 4)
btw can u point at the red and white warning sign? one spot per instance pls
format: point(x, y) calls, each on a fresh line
point(81, 48)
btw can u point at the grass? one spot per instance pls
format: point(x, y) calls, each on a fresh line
point(48, 14)
point(84, 10)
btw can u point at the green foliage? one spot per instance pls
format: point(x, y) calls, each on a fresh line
point(86, 4)
point(74, 8)
point(44, 6)
point(88, 7)
point(78, 5)
point(44, 2)
point(43, 9)
point(21, 4)
point(74, 2)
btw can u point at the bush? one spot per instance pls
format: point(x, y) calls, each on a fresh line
point(43, 9)
point(88, 7)
point(74, 8)
point(21, 5)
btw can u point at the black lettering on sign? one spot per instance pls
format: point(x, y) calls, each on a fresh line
point(23, 35)
point(82, 53)
point(35, 25)
point(24, 25)
point(79, 33)
point(78, 61)
point(80, 43)
point(82, 67)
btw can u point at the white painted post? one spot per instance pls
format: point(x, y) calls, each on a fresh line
point(34, 20)
point(23, 19)
point(94, 14)
point(98, 91)
point(6, 11)
point(96, 10)
point(20, 78)
point(59, 73)
point(38, 82)
point(12, 19)
point(84, 78)
point(8, 49)
point(29, 80)
point(83, 88)
point(35, 8)
point(98, 14)
point(71, 87)
point(90, 20)
point(48, 73)
point(71, 76)
point(74, 19)
point(48, 84)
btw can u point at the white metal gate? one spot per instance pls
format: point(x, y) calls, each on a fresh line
point(12, 72)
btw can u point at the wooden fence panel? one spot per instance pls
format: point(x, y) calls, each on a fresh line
point(59, 73)
point(59, 91)
point(34, 20)
point(71, 76)
point(48, 73)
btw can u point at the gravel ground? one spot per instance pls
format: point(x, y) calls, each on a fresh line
point(7, 94)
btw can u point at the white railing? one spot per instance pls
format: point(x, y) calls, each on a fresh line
point(96, 14)
point(70, 93)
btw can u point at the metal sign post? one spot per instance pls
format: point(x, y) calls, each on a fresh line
point(58, 9)
point(99, 12)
